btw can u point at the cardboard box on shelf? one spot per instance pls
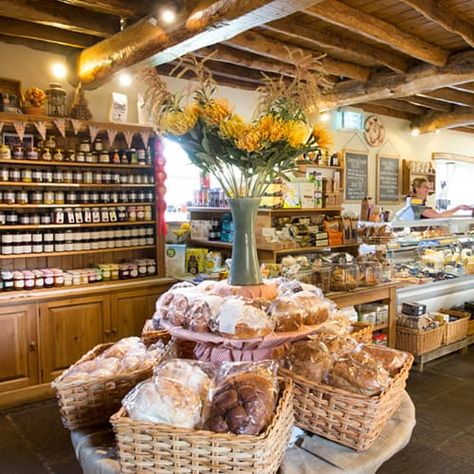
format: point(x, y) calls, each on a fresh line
point(175, 260)
point(196, 260)
point(200, 229)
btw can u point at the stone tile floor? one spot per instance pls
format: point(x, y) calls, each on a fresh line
point(33, 441)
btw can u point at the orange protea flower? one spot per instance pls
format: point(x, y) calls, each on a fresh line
point(271, 129)
point(323, 137)
point(249, 140)
point(215, 111)
point(178, 122)
point(296, 133)
point(193, 109)
point(233, 127)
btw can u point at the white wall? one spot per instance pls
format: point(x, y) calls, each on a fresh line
point(33, 69)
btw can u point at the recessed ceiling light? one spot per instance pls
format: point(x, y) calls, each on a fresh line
point(59, 70)
point(125, 79)
point(168, 15)
point(415, 132)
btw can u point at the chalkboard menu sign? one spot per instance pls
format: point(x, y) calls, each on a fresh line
point(388, 179)
point(356, 175)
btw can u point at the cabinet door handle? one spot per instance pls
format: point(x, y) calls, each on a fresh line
point(32, 346)
point(114, 330)
point(108, 332)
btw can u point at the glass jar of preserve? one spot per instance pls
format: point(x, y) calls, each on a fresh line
point(132, 214)
point(89, 157)
point(122, 214)
point(68, 176)
point(104, 157)
point(58, 176)
point(133, 196)
point(35, 219)
point(76, 278)
point(133, 268)
point(18, 280)
point(48, 276)
point(140, 179)
point(95, 215)
point(58, 155)
point(59, 197)
point(114, 197)
point(48, 176)
point(69, 217)
point(58, 216)
point(98, 145)
point(7, 280)
point(46, 155)
point(12, 218)
point(88, 177)
point(107, 177)
point(3, 218)
point(7, 249)
point(4, 174)
point(98, 177)
point(124, 272)
point(37, 176)
point(22, 197)
point(141, 196)
point(78, 216)
point(77, 177)
point(85, 197)
point(18, 153)
point(87, 215)
point(48, 197)
point(71, 197)
point(9, 197)
point(70, 155)
point(58, 275)
point(37, 237)
point(39, 279)
point(26, 175)
point(113, 214)
point(50, 142)
point(45, 219)
point(7, 238)
point(148, 213)
point(85, 146)
point(104, 214)
point(115, 178)
point(5, 152)
point(80, 157)
point(123, 196)
point(114, 271)
point(141, 267)
point(67, 279)
point(48, 236)
point(124, 179)
point(94, 197)
point(151, 266)
point(141, 154)
point(140, 213)
point(25, 219)
point(105, 197)
point(32, 153)
point(15, 175)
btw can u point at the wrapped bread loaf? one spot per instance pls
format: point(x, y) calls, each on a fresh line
point(173, 306)
point(267, 291)
point(203, 310)
point(315, 309)
point(286, 313)
point(310, 359)
point(391, 360)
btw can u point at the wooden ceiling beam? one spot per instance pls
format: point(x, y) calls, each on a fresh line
point(435, 11)
point(432, 121)
point(428, 103)
point(122, 8)
point(420, 79)
point(53, 48)
point(381, 110)
point(257, 43)
point(467, 86)
point(463, 129)
point(401, 106)
point(59, 15)
point(324, 39)
point(371, 27)
point(25, 29)
point(147, 42)
point(451, 96)
point(230, 55)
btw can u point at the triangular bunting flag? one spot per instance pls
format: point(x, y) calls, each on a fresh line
point(20, 129)
point(93, 131)
point(61, 126)
point(145, 135)
point(111, 133)
point(128, 137)
point(76, 125)
point(41, 127)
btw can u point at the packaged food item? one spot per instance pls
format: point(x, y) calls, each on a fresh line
point(344, 277)
point(286, 314)
point(315, 309)
point(310, 359)
point(391, 360)
point(173, 306)
point(204, 310)
point(196, 260)
point(243, 398)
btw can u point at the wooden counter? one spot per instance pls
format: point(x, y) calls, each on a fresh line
point(43, 332)
point(386, 293)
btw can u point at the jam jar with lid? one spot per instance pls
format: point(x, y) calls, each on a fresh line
point(80, 157)
point(32, 153)
point(22, 197)
point(4, 174)
point(77, 177)
point(98, 145)
point(15, 175)
point(88, 177)
point(70, 155)
point(98, 177)
point(46, 155)
point(59, 197)
point(85, 146)
point(5, 152)
point(104, 157)
point(71, 197)
point(48, 176)
point(37, 176)
point(58, 155)
point(94, 197)
point(50, 142)
point(26, 175)
point(59, 176)
point(48, 197)
point(68, 176)
point(18, 152)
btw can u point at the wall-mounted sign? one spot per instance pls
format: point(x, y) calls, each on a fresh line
point(356, 166)
point(388, 179)
point(374, 131)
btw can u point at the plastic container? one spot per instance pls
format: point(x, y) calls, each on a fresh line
point(344, 277)
point(370, 273)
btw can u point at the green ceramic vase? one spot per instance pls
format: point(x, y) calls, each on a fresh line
point(245, 268)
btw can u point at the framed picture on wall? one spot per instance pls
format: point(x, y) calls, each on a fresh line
point(12, 140)
point(10, 95)
point(388, 186)
point(356, 175)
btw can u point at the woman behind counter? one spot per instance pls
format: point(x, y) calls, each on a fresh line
point(420, 190)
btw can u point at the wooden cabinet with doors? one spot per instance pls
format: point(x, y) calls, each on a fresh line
point(18, 347)
point(68, 329)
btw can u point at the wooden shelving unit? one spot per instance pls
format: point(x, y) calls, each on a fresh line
point(75, 164)
point(14, 184)
point(53, 206)
point(75, 226)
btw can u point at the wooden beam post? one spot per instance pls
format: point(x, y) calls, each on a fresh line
point(257, 43)
point(451, 96)
point(436, 120)
point(324, 39)
point(148, 42)
point(59, 15)
point(371, 27)
point(420, 79)
point(382, 110)
point(401, 106)
point(435, 11)
point(122, 8)
point(428, 103)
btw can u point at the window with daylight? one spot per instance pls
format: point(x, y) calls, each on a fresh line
point(454, 184)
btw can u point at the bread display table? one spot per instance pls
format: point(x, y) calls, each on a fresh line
point(95, 449)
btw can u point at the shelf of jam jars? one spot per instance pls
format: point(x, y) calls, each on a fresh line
point(76, 252)
point(74, 185)
point(75, 164)
point(62, 226)
point(52, 206)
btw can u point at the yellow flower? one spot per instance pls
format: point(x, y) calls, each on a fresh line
point(177, 122)
point(249, 140)
point(233, 127)
point(270, 128)
point(323, 137)
point(215, 111)
point(193, 109)
point(296, 133)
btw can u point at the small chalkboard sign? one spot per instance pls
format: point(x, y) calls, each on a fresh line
point(388, 179)
point(356, 166)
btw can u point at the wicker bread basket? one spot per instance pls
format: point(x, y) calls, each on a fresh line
point(456, 330)
point(93, 402)
point(150, 335)
point(164, 449)
point(419, 342)
point(347, 418)
point(362, 332)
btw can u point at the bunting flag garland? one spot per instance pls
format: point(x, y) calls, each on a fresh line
point(76, 125)
point(145, 136)
point(111, 133)
point(41, 127)
point(20, 129)
point(128, 137)
point(93, 131)
point(61, 126)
